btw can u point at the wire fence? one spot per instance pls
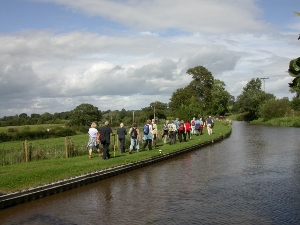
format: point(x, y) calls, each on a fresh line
point(29, 152)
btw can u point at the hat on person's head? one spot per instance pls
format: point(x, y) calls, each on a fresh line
point(134, 125)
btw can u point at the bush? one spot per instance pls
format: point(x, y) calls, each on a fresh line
point(295, 104)
point(275, 108)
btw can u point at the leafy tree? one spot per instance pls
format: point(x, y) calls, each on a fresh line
point(183, 97)
point(203, 96)
point(159, 108)
point(295, 86)
point(202, 84)
point(249, 101)
point(220, 99)
point(23, 115)
point(295, 103)
point(84, 115)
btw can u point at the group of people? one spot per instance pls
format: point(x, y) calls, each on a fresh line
point(181, 130)
point(172, 131)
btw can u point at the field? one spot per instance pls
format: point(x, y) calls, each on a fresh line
point(29, 127)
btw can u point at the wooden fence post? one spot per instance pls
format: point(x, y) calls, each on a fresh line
point(26, 150)
point(30, 152)
point(66, 147)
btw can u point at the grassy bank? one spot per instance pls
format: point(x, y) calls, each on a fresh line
point(23, 176)
point(283, 121)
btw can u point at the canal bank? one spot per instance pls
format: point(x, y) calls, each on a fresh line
point(17, 198)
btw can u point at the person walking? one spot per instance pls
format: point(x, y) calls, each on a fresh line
point(209, 125)
point(121, 132)
point(154, 133)
point(105, 131)
point(135, 138)
point(172, 132)
point(147, 138)
point(188, 129)
point(165, 135)
point(182, 131)
point(93, 138)
point(193, 123)
point(176, 122)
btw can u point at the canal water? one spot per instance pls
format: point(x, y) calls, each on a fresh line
point(252, 177)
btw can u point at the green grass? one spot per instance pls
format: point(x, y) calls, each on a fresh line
point(283, 121)
point(23, 176)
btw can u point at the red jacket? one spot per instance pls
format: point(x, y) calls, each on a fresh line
point(187, 126)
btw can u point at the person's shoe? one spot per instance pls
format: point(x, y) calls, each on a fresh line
point(130, 151)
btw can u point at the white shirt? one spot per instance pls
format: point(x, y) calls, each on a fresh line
point(93, 132)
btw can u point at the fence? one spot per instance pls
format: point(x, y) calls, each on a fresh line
point(28, 152)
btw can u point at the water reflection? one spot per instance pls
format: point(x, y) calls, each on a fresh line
point(250, 178)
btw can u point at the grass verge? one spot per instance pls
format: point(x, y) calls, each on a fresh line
point(23, 176)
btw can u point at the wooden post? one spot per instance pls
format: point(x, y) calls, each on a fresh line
point(30, 152)
point(66, 147)
point(26, 150)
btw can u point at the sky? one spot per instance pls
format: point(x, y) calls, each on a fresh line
point(126, 54)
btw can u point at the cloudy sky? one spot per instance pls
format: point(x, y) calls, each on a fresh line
point(114, 54)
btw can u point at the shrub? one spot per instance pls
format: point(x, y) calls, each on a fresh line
point(274, 108)
point(295, 104)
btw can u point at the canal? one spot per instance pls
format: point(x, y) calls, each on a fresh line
point(252, 177)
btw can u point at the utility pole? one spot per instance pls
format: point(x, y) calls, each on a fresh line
point(132, 116)
point(264, 78)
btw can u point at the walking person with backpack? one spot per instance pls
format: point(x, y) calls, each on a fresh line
point(147, 138)
point(134, 138)
point(121, 131)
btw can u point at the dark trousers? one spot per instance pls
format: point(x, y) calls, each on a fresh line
point(172, 137)
point(106, 150)
point(122, 144)
point(148, 142)
point(180, 134)
point(188, 133)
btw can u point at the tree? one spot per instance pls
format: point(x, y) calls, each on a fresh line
point(202, 84)
point(182, 96)
point(220, 99)
point(158, 108)
point(295, 86)
point(84, 115)
point(249, 101)
point(203, 96)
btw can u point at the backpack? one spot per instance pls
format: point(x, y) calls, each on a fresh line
point(166, 127)
point(193, 122)
point(146, 129)
point(133, 133)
